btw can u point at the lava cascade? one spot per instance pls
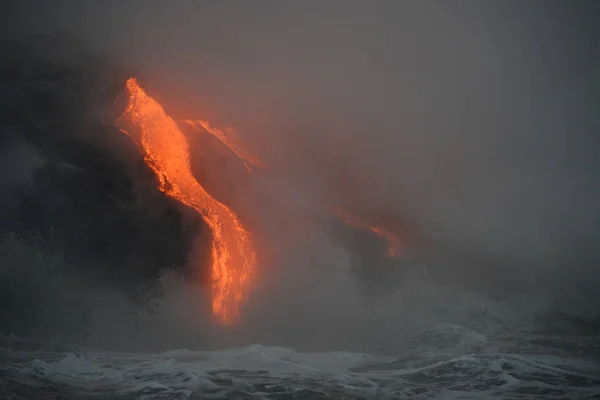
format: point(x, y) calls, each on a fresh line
point(166, 151)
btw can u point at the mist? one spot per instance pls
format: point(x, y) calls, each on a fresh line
point(475, 124)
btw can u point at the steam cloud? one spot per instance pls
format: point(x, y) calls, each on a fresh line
point(474, 124)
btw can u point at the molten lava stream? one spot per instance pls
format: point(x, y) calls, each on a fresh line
point(166, 151)
point(393, 241)
point(230, 140)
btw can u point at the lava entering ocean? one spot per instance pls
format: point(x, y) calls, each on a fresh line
point(166, 151)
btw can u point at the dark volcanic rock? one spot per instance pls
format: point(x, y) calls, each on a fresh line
point(70, 176)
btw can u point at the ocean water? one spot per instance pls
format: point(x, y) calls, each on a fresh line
point(444, 362)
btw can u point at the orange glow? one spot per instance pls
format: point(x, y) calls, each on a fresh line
point(166, 151)
point(393, 241)
point(230, 139)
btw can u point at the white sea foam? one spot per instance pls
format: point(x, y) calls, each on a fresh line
point(264, 372)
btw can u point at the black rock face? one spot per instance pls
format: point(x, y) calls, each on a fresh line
point(69, 176)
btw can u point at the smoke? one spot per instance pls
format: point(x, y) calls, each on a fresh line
point(475, 125)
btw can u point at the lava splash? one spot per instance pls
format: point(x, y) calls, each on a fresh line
point(166, 151)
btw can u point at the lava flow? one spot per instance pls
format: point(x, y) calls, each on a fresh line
point(230, 140)
point(166, 151)
point(394, 242)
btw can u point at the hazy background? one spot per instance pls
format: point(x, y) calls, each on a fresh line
point(474, 122)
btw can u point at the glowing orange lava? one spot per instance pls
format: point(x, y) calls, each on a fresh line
point(393, 241)
point(230, 139)
point(166, 151)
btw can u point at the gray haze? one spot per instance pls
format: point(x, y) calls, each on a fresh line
point(475, 121)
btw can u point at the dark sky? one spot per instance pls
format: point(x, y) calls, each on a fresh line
point(476, 119)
